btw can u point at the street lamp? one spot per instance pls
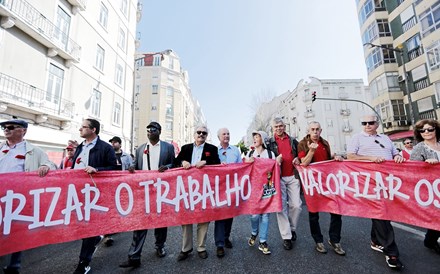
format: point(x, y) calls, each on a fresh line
point(399, 50)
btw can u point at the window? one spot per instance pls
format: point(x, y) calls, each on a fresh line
point(157, 59)
point(119, 77)
point(378, 56)
point(328, 107)
point(155, 89)
point(433, 55)
point(153, 107)
point(96, 103)
point(99, 61)
point(169, 110)
point(379, 28)
point(171, 65)
point(103, 16)
point(398, 110)
point(62, 27)
point(425, 104)
point(325, 91)
point(329, 123)
point(384, 83)
point(170, 91)
point(121, 39)
point(117, 113)
point(430, 19)
point(54, 84)
point(124, 7)
point(419, 73)
point(408, 18)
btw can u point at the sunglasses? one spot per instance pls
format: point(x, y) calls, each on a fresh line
point(369, 122)
point(152, 129)
point(377, 142)
point(10, 127)
point(202, 132)
point(431, 129)
point(407, 143)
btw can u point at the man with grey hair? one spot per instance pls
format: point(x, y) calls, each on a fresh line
point(197, 154)
point(228, 154)
point(372, 146)
point(282, 144)
point(313, 148)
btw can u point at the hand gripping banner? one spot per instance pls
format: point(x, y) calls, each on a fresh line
point(408, 192)
point(70, 204)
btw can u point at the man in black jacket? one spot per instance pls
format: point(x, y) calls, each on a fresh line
point(197, 154)
point(92, 155)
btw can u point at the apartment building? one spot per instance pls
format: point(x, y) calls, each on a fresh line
point(401, 45)
point(339, 107)
point(163, 94)
point(62, 61)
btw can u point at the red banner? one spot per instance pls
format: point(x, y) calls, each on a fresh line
point(407, 192)
point(68, 205)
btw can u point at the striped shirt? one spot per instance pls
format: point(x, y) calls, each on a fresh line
point(378, 145)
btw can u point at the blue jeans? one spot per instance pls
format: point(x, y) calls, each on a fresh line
point(260, 225)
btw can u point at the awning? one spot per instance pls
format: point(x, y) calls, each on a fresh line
point(401, 135)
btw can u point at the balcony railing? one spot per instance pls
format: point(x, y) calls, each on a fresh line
point(22, 94)
point(409, 24)
point(421, 84)
point(414, 53)
point(40, 28)
point(430, 114)
point(345, 112)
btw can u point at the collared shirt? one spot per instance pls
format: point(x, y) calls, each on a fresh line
point(197, 153)
point(285, 148)
point(12, 158)
point(378, 145)
point(154, 154)
point(320, 154)
point(82, 161)
point(229, 155)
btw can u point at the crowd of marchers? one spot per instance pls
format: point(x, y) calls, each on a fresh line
point(94, 155)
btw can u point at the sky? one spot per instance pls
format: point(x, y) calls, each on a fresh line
point(238, 51)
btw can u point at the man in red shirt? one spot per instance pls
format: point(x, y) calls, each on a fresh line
point(282, 144)
point(313, 148)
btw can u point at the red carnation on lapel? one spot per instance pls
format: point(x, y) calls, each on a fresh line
point(20, 157)
point(207, 154)
point(146, 151)
point(5, 151)
point(78, 160)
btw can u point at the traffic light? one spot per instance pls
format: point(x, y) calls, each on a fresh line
point(313, 96)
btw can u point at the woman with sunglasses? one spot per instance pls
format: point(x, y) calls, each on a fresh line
point(427, 133)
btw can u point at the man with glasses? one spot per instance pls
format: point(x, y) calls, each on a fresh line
point(283, 144)
point(18, 155)
point(92, 155)
point(228, 154)
point(152, 155)
point(372, 146)
point(406, 152)
point(196, 155)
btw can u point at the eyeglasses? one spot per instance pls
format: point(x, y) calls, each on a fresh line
point(422, 130)
point(152, 129)
point(407, 143)
point(202, 132)
point(10, 127)
point(369, 122)
point(377, 142)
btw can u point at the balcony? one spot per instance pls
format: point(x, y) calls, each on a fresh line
point(347, 129)
point(78, 4)
point(421, 84)
point(20, 95)
point(414, 53)
point(409, 24)
point(25, 17)
point(309, 114)
point(430, 114)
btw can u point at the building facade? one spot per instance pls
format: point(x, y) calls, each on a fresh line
point(66, 60)
point(401, 45)
point(163, 94)
point(339, 107)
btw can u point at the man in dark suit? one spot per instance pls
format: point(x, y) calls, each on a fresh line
point(153, 155)
point(197, 154)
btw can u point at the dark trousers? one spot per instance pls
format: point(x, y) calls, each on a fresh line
point(88, 247)
point(334, 231)
point(134, 253)
point(431, 237)
point(382, 233)
point(15, 261)
point(222, 231)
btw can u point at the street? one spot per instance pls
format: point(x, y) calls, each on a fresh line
point(360, 258)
